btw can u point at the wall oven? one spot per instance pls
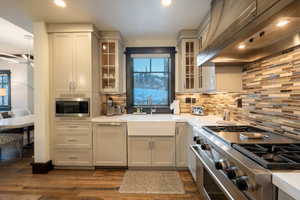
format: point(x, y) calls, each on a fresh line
point(72, 107)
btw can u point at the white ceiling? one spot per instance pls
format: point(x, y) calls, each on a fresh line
point(136, 19)
point(12, 38)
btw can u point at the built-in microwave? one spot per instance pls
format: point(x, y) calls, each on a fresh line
point(72, 107)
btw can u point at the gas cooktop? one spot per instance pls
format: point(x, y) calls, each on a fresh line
point(234, 135)
point(233, 129)
point(272, 156)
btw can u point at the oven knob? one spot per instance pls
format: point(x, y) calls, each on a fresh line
point(242, 183)
point(205, 147)
point(231, 172)
point(195, 138)
point(221, 164)
point(199, 141)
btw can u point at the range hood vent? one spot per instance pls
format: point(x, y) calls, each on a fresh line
point(267, 38)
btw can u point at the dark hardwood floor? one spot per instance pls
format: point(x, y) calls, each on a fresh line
point(17, 183)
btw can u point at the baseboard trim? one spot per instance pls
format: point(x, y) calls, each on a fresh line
point(42, 168)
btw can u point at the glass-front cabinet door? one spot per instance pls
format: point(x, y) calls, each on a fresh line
point(109, 65)
point(192, 75)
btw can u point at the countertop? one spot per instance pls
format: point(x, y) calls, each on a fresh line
point(17, 122)
point(192, 119)
point(288, 182)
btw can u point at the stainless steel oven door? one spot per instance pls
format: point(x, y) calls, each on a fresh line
point(212, 184)
point(72, 107)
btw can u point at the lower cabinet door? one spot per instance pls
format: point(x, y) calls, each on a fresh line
point(182, 146)
point(139, 151)
point(110, 144)
point(73, 157)
point(163, 151)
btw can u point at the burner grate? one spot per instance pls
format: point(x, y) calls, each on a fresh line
point(233, 129)
point(272, 156)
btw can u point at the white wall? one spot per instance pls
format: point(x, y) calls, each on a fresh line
point(21, 85)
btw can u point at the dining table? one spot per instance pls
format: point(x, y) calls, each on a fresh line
point(20, 124)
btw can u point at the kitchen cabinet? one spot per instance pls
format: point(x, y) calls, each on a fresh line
point(163, 151)
point(208, 77)
point(139, 151)
point(191, 75)
point(195, 77)
point(72, 64)
point(151, 151)
point(182, 146)
point(112, 63)
point(110, 144)
point(72, 143)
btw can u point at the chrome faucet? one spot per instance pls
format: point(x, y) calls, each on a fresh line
point(149, 102)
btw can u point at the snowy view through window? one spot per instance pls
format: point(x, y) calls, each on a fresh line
point(150, 78)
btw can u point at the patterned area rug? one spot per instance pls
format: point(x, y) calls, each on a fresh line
point(152, 182)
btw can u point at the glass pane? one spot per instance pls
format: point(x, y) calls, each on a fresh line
point(111, 60)
point(105, 47)
point(112, 47)
point(154, 85)
point(105, 59)
point(192, 47)
point(187, 47)
point(159, 65)
point(141, 65)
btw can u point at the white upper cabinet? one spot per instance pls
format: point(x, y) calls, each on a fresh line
point(188, 73)
point(62, 54)
point(209, 77)
point(193, 77)
point(83, 62)
point(71, 58)
point(112, 63)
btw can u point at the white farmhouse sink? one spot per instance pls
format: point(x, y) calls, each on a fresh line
point(150, 125)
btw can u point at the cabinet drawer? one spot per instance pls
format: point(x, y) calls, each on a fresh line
point(73, 157)
point(73, 127)
point(73, 141)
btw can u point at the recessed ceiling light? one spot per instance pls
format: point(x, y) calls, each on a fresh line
point(60, 3)
point(166, 3)
point(282, 23)
point(242, 46)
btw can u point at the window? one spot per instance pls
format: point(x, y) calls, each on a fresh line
point(5, 95)
point(150, 78)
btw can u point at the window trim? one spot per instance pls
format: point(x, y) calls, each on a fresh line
point(129, 72)
point(7, 107)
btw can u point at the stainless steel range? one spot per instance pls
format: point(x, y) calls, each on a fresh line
point(235, 162)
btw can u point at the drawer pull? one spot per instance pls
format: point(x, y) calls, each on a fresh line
point(109, 124)
point(72, 140)
point(73, 126)
point(73, 158)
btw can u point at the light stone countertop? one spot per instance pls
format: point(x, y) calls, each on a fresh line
point(289, 182)
point(191, 119)
point(17, 122)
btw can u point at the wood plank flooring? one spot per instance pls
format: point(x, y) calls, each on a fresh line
point(17, 183)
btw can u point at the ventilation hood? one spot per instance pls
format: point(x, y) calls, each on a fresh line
point(266, 38)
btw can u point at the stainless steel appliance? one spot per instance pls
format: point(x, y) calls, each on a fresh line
point(72, 107)
point(198, 110)
point(227, 167)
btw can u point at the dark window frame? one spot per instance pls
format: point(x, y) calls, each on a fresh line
point(7, 107)
point(129, 74)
